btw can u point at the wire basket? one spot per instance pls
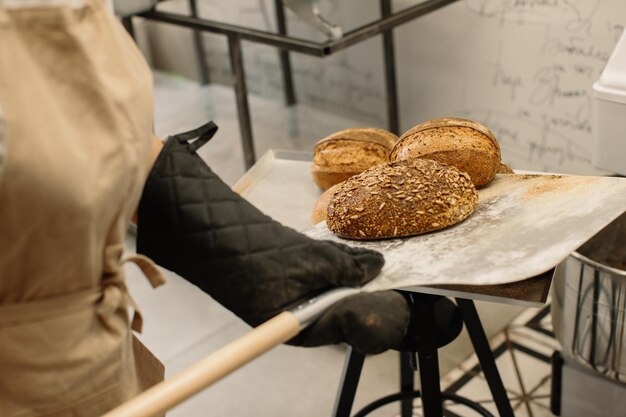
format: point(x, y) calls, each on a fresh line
point(589, 303)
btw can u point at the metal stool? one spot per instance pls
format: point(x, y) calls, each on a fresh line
point(423, 344)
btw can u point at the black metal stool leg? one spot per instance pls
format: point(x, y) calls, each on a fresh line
point(348, 383)
point(485, 356)
point(427, 355)
point(407, 382)
point(421, 336)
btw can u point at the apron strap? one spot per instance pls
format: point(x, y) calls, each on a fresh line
point(49, 307)
point(107, 299)
point(118, 293)
point(149, 269)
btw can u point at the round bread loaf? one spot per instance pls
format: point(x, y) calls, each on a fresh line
point(401, 198)
point(465, 144)
point(321, 205)
point(349, 152)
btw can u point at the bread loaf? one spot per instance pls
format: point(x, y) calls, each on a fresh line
point(465, 144)
point(349, 152)
point(505, 169)
point(401, 198)
point(321, 205)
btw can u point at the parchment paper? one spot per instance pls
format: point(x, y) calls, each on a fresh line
point(523, 225)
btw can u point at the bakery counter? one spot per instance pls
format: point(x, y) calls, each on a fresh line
point(280, 185)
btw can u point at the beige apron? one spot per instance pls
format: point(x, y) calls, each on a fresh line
point(77, 100)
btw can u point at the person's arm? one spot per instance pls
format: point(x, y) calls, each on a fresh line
point(155, 148)
point(192, 223)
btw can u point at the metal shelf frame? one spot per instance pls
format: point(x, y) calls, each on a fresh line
point(286, 44)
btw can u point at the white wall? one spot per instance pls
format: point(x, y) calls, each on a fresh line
point(522, 67)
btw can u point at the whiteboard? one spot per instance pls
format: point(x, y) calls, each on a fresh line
point(525, 68)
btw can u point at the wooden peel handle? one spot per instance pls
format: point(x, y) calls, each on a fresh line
point(165, 395)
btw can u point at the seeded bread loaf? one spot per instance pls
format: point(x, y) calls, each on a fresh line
point(321, 205)
point(401, 198)
point(465, 144)
point(349, 152)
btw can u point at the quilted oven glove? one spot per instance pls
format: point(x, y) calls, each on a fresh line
point(192, 223)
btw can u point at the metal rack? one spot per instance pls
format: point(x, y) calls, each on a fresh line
point(286, 44)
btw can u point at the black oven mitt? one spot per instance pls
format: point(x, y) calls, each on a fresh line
point(192, 223)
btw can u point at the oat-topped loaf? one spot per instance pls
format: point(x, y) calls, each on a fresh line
point(401, 198)
point(466, 144)
point(349, 152)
